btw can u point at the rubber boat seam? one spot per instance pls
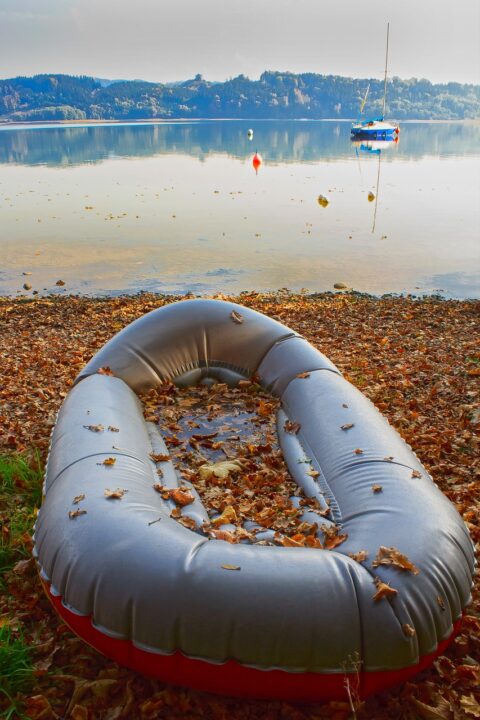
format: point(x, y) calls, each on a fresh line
point(86, 457)
point(321, 480)
point(211, 661)
point(141, 356)
point(295, 377)
point(279, 340)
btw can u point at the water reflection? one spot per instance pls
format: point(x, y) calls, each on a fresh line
point(277, 141)
point(177, 207)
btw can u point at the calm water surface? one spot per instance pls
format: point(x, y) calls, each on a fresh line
point(178, 207)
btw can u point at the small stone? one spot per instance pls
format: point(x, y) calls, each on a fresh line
point(340, 286)
point(27, 286)
point(60, 283)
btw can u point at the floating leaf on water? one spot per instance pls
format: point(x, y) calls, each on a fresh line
point(219, 470)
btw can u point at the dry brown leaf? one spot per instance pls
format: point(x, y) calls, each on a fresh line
point(231, 567)
point(441, 602)
point(291, 427)
point(105, 371)
point(108, 461)
point(78, 498)
point(187, 522)
point(228, 516)
point(76, 513)
point(416, 474)
point(182, 496)
point(303, 375)
point(359, 556)
point(222, 535)
point(112, 428)
point(94, 428)
point(116, 494)
point(392, 556)
point(220, 470)
point(159, 457)
point(313, 473)
point(176, 513)
point(442, 711)
point(377, 488)
point(236, 317)
point(470, 706)
point(347, 426)
point(358, 451)
point(408, 630)
point(384, 590)
point(332, 537)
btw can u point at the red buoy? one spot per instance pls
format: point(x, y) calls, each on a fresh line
point(257, 161)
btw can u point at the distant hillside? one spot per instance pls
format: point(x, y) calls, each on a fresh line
point(275, 95)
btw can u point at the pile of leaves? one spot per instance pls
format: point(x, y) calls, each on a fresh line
point(417, 360)
point(224, 442)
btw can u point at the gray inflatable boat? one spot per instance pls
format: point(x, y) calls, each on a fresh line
point(291, 623)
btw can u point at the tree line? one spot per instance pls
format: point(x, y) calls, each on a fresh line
point(275, 95)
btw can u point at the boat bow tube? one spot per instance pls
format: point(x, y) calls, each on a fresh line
point(245, 619)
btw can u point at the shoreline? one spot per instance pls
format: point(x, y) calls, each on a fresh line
point(281, 293)
point(12, 124)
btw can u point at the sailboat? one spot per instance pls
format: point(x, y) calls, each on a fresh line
point(378, 128)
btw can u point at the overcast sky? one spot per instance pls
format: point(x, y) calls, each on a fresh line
point(166, 40)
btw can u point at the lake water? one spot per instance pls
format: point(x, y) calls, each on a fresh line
point(177, 207)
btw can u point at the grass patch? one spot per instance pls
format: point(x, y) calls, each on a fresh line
point(16, 671)
point(20, 497)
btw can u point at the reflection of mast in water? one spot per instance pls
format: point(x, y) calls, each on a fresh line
point(374, 147)
point(376, 192)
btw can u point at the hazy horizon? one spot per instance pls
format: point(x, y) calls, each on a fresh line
point(170, 42)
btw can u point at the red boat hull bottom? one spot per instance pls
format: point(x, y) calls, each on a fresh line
point(232, 678)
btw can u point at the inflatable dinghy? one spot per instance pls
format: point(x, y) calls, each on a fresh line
point(293, 623)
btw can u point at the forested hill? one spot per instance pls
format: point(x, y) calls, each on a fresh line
point(275, 95)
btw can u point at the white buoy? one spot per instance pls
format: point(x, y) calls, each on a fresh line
point(250, 134)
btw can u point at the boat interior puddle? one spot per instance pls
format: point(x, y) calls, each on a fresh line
point(223, 441)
